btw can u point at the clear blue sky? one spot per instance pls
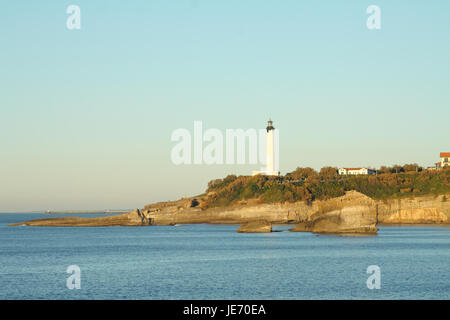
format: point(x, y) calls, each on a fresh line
point(86, 115)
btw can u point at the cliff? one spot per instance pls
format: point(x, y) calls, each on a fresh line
point(415, 210)
point(351, 213)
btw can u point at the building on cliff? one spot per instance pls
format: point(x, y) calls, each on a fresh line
point(444, 160)
point(356, 171)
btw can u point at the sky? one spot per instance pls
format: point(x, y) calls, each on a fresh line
point(86, 116)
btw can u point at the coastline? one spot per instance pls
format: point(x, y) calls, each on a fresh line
point(353, 213)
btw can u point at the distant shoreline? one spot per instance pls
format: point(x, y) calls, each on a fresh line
point(67, 212)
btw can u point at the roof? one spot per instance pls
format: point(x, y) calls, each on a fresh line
point(445, 154)
point(353, 168)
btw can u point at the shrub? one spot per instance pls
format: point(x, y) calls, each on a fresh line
point(305, 184)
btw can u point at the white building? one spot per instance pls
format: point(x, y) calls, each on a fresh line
point(444, 159)
point(270, 153)
point(356, 171)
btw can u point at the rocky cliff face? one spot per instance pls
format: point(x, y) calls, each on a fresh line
point(417, 210)
point(182, 213)
point(352, 213)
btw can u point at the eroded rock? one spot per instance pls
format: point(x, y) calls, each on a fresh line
point(352, 213)
point(255, 227)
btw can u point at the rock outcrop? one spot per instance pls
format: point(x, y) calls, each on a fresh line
point(179, 213)
point(255, 227)
point(353, 213)
point(417, 216)
point(416, 210)
point(133, 218)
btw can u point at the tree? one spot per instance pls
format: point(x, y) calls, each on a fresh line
point(303, 173)
point(384, 169)
point(397, 169)
point(414, 167)
point(328, 173)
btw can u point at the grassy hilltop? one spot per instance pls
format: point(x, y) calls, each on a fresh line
point(306, 184)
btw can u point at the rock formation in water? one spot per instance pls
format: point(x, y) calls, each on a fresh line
point(350, 214)
point(255, 227)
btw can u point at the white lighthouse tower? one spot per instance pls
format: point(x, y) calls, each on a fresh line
point(270, 156)
point(270, 153)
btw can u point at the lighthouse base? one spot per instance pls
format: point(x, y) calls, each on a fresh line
point(265, 173)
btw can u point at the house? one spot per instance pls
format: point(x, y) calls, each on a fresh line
point(444, 159)
point(356, 171)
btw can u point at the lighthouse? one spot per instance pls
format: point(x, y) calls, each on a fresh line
point(270, 156)
point(270, 153)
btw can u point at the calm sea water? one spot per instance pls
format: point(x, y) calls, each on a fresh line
point(215, 262)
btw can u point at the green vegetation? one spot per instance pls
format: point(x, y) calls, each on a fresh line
point(306, 184)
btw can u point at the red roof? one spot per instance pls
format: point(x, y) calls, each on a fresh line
point(352, 168)
point(445, 154)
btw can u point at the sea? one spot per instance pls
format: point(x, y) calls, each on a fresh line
point(214, 262)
